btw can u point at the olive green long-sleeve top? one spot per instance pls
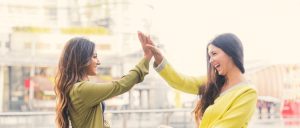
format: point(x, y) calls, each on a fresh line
point(86, 96)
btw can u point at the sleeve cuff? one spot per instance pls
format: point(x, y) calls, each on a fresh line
point(161, 66)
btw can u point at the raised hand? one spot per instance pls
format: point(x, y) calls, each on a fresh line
point(155, 51)
point(144, 41)
point(150, 49)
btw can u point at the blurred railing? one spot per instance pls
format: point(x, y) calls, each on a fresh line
point(27, 120)
point(153, 118)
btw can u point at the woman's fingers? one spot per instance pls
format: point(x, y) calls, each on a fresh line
point(151, 47)
point(156, 53)
point(150, 41)
point(154, 49)
point(141, 37)
point(143, 41)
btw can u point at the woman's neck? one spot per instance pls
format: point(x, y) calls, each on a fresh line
point(86, 78)
point(233, 78)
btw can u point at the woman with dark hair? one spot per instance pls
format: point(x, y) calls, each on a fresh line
point(227, 99)
point(80, 100)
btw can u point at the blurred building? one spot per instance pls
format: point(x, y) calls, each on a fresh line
point(33, 33)
point(280, 81)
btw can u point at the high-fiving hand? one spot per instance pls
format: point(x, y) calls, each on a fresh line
point(144, 40)
point(149, 48)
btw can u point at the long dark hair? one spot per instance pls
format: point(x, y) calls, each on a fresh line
point(233, 47)
point(72, 68)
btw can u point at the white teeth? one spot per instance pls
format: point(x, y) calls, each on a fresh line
point(217, 65)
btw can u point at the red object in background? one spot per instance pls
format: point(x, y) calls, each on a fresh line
point(291, 108)
point(291, 113)
point(27, 83)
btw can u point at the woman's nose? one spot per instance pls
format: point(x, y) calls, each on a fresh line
point(211, 60)
point(98, 62)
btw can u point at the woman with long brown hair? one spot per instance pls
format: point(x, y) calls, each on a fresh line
point(79, 100)
point(227, 99)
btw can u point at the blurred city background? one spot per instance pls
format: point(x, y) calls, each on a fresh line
point(33, 32)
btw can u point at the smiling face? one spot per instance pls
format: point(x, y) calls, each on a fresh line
point(92, 67)
point(219, 60)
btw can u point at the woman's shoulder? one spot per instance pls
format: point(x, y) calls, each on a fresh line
point(79, 86)
point(249, 86)
point(240, 88)
point(247, 90)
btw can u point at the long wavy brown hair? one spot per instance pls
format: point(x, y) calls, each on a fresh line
point(72, 68)
point(233, 47)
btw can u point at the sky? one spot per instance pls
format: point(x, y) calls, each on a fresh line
point(268, 29)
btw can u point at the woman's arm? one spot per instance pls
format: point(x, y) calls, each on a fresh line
point(174, 79)
point(188, 84)
point(93, 93)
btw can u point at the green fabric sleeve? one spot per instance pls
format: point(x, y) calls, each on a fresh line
point(93, 93)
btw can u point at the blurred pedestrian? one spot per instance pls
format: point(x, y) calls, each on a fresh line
point(259, 106)
point(268, 106)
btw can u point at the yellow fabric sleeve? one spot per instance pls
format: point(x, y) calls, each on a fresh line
point(185, 83)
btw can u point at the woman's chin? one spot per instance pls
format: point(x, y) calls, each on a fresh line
point(220, 73)
point(93, 74)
